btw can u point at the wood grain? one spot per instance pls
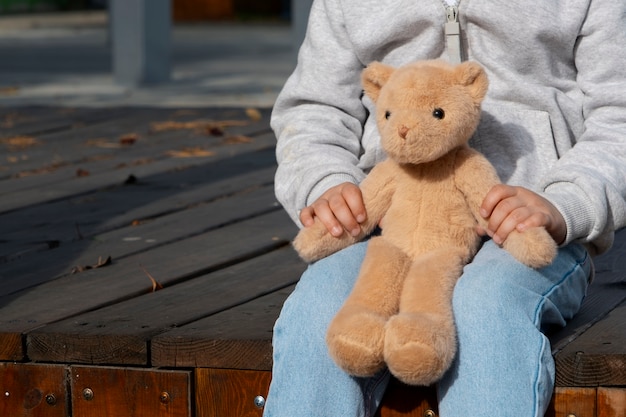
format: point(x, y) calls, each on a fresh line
point(121, 333)
point(221, 392)
point(238, 338)
point(597, 357)
point(33, 390)
point(401, 400)
point(567, 402)
point(611, 402)
point(103, 391)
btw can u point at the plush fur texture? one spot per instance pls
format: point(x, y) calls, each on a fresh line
point(426, 196)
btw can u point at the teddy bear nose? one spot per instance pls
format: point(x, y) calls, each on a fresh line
point(402, 131)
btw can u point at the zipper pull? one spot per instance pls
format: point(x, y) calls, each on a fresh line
point(453, 35)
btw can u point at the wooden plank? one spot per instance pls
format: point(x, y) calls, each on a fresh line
point(121, 333)
point(98, 288)
point(598, 356)
point(65, 142)
point(33, 390)
point(402, 400)
point(44, 227)
point(133, 239)
point(110, 176)
point(568, 402)
point(238, 338)
point(222, 392)
point(171, 184)
point(611, 402)
point(130, 392)
point(156, 150)
point(149, 132)
point(39, 120)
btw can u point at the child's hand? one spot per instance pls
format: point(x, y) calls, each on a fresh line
point(508, 208)
point(340, 208)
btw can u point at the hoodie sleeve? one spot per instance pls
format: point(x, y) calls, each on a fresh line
point(318, 117)
point(588, 184)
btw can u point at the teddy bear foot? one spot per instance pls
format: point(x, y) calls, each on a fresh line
point(355, 341)
point(419, 349)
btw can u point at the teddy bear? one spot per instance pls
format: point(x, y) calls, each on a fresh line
point(425, 196)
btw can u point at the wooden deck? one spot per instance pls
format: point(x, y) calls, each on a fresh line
point(144, 259)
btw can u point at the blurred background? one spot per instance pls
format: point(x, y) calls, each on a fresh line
point(147, 52)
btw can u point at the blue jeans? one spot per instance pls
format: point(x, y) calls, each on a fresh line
point(503, 367)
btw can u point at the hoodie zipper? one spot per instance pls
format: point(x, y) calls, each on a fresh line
point(453, 32)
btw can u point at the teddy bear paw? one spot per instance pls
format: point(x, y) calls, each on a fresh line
point(533, 247)
point(419, 348)
point(355, 341)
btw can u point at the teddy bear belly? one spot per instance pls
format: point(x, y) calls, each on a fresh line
point(416, 233)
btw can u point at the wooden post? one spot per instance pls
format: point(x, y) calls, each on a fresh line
point(141, 41)
point(299, 19)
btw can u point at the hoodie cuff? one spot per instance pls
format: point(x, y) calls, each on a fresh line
point(576, 209)
point(327, 182)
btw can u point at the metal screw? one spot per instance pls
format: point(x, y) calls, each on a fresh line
point(88, 394)
point(259, 401)
point(164, 397)
point(51, 399)
point(430, 413)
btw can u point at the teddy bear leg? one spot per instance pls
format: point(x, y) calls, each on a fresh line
point(420, 341)
point(355, 336)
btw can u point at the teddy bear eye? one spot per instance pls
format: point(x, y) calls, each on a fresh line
point(387, 114)
point(439, 113)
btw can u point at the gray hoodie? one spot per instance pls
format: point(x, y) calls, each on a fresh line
point(554, 119)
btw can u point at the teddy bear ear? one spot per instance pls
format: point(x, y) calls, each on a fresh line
point(374, 77)
point(473, 76)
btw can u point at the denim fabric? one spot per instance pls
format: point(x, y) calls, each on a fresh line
point(504, 365)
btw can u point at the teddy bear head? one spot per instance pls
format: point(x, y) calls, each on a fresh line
point(425, 109)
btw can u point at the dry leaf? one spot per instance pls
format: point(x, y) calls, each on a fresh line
point(102, 143)
point(214, 131)
point(101, 263)
point(43, 170)
point(9, 91)
point(200, 125)
point(190, 153)
point(135, 163)
point(19, 142)
point(82, 172)
point(156, 285)
point(254, 114)
point(128, 139)
point(229, 140)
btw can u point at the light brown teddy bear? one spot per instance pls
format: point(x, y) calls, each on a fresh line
point(426, 197)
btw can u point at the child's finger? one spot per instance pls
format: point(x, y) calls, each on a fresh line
point(354, 200)
point(342, 212)
point(494, 197)
point(306, 216)
point(327, 216)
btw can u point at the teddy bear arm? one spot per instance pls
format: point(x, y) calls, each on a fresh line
point(315, 242)
point(475, 176)
point(377, 190)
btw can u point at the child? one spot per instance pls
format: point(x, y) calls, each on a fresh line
point(554, 125)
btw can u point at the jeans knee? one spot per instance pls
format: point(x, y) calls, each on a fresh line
point(487, 298)
point(320, 293)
